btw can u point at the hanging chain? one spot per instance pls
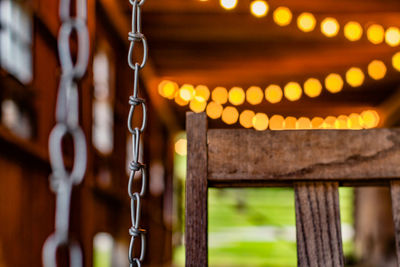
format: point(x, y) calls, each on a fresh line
point(135, 166)
point(67, 123)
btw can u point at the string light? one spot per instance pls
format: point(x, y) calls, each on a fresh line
point(292, 91)
point(277, 122)
point(353, 31)
point(330, 27)
point(260, 121)
point(355, 77)
point(181, 147)
point(168, 89)
point(273, 94)
point(303, 123)
point(230, 115)
point(329, 122)
point(228, 4)
point(341, 122)
point(282, 16)
point(220, 95)
point(316, 122)
point(392, 36)
point(246, 118)
point(290, 123)
point(254, 95)
point(375, 34)
point(202, 93)
point(186, 92)
point(214, 110)
point(333, 83)
point(180, 101)
point(259, 8)
point(312, 87)
point(236, 96)
point(370, 119)
point(355, 121)
point(376, 69)
point(306, 22)
point(197, 106)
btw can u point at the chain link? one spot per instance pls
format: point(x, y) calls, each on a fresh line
point(67, 124)
point(136, 36)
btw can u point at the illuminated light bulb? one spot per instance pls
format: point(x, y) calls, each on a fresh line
point(186, 92)
point(290, 123)
point(353, 31)
point(197, 106)
point(179, 100)
point(277, 122)
point(376, 69)
point(181, 147)
point(246, 118)
point(167, 89)
point(202, 94)
point(355, 121)
point(214, 110)
point(260, 121)
point(254, 95)
point(306, 22)
point(355, 77)
point(228, 4)
point(312, 87)
point(341, 122)
point(292, 91)
point(396, 61)
point(273, 94)
point(392, 36)
point(303, 123)
point(282, 16)
point(330, 27)
point(334, 83)
point(370, 119)
point(375, 34)
point(220, 95)
point(230, 115)
point(316, 122)
point(259, 8)
point(236, 96)
point(329, 122)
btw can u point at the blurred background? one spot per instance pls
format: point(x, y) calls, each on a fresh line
point(266, 65)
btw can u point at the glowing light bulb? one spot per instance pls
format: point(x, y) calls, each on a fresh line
point(375, 34)
point(353, 31)
point(329, 122)
point(312, 87)
point(334, 83)
point(370, 119)
point(259, 8)
point(260, 121)
point(376, 69)
point(290, 123)
point(303, 123)
point(167, 89)
point(214, 110)
point(341, 122)
point(230, 115)
point(396, 61)
point(220, 95)
point(179, 100)
point(330, 27)
point(236, 96)
point(273, 94)
point(181, 147)
point(355, 77)
point(282, 16)
point(246, 118)
point(202, 94)
point(292, 91)
point(392, 36)
point(316, 122)
point(186, 92)
point(306, 22)
point(277, 122)
point(355, 121)
point(228, 4)
point(197, 106)
point(254, 95)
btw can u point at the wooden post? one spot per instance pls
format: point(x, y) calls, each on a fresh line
point(395, 192)
point(319, 240)
point(196, 191)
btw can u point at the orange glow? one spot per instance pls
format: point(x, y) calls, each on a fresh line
point(282, 16)
point(355, 121)
point(181, 147)
point(396, 61)
point(329, 122)
point(273, 94)
point(167, 89)
point(290, 123)
point(330, 27)
point(312, 87)
point(370, 119)
point(260, 121)
point(353, 31)
point(179, 100)
point(355, 77)
point(375, 34)
point(392, 36)
point(277, 122)
point(306, 22)
point(303, 123)
point(236, 96)
point(228, 4)
point(317, 122)
point(202, 94)
point(197, 106)
point(220, 95)
point(341, 122)
point(246, 118)
point(254, 95)
point(376, 69)
point(214, 110)
point(292, 91)
point(230, 115)
point(334, 83)
point(186, 92)
point(259, 8)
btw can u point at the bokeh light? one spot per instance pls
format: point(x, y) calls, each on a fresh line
point(376, 69)
point(179, 100)
point(273, 93)
point(259, 8)
point(202, 93)
point(246, 118)
point(181, 147)
point(168, 89)
point(353, 31)
point(355, 121)
point(282, 16)
point(317, 122)
point(329, 122)
point(292, 91)
point(330, 27)
point(290, 123)
point(312, 87)
point(392, 36)
point(355, 77)
point(236, 96)
point(341, 122)
point(370, 119)
point(277, 122)
point(230, 115)
point(306, 22)
point(375, 34)
point(260, 121)
point(228, 4)
point(396, 61)
point(214, 110)
point(254, 95)
point(303, 123)
point(220, 95)
point(197, 106)
point(186, 92)
point(334, 83)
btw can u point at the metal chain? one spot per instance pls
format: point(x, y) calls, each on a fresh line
point(135, 231)
point(67, 123)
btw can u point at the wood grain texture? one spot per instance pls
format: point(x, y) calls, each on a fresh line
point(395, 192)
point(316, 155)
point(196, 191)
point(319, 241)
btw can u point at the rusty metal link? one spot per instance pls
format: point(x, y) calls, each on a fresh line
point(67, 118)
point(135, 36)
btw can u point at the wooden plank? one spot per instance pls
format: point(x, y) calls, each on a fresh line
point(395, 192)
point(196, 191)
point(314, 155)
point(319, 241)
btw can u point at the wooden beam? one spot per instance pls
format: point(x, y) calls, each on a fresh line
point(284, 157)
